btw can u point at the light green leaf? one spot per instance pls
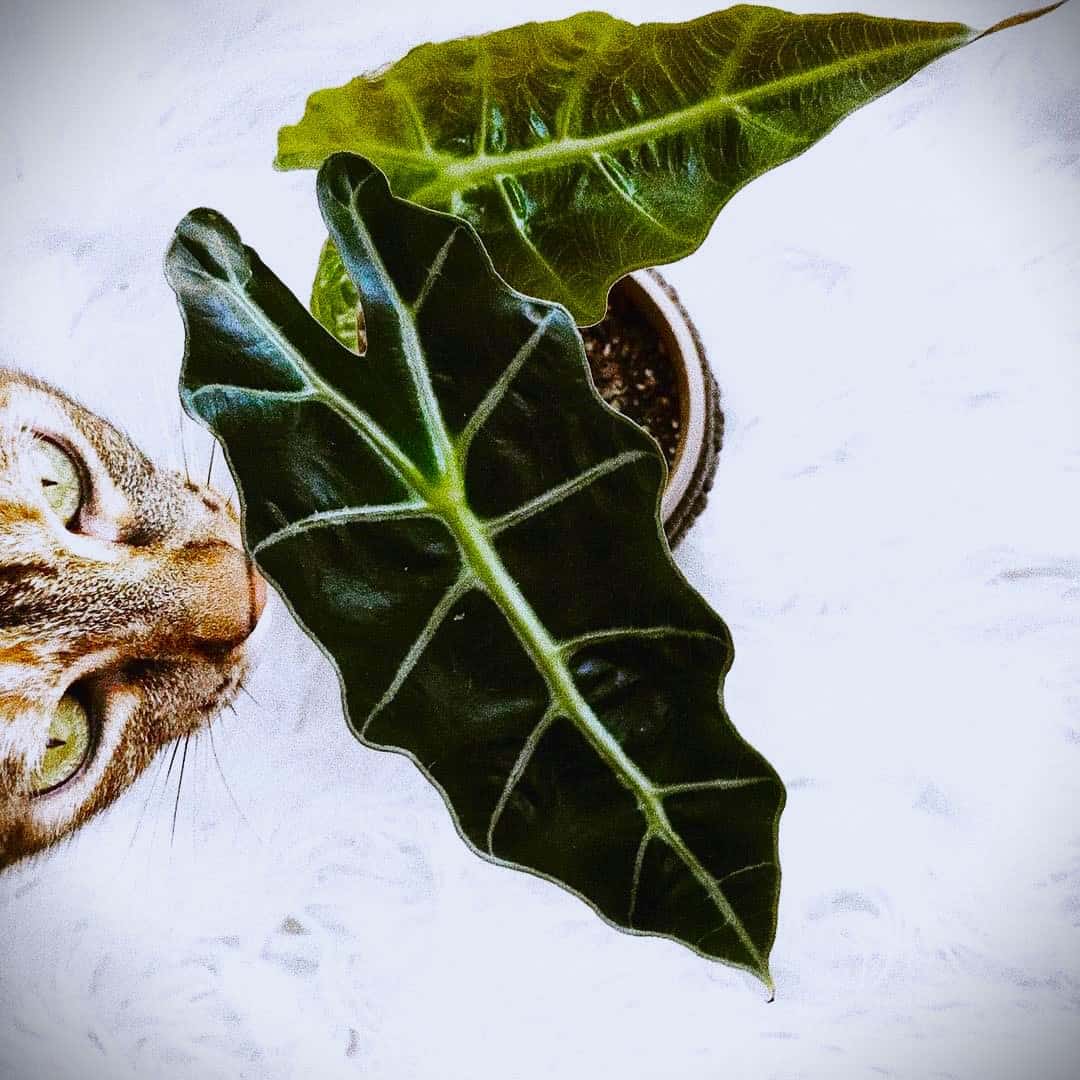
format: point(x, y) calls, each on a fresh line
point(474, 538)
point(583, 149)
point(335, 301)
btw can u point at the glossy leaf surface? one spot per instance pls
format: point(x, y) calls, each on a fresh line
point(589, 147)
point(474, 538)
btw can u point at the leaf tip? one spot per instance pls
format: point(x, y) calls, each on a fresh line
point(205, 242)
point(1019, 20)
point(342, 175)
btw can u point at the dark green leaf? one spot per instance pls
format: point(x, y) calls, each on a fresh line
point(586, 148)
point(474, 538)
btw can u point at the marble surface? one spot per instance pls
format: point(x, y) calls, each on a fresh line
point(892, 539)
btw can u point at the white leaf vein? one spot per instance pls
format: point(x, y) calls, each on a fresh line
point(634, 202)
point(561, 492)
point(498, 390)
point(639, 863)
point(620, 633)
point(520, 765)
point(435, 271)
point(438, 615)
point(323, 519)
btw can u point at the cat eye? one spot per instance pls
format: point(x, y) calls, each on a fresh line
point(61, 479)
point(67, 747)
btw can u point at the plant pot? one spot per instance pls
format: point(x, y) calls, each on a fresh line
point(648, 362)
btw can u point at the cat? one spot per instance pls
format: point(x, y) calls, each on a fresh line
point(126, 606)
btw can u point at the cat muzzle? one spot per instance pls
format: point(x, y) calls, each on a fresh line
point(223, 598)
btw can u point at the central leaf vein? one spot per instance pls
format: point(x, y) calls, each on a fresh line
point(462, 174)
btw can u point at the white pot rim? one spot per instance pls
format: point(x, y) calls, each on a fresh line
point(661, 306)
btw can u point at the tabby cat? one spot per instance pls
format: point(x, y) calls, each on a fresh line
point(126, 601)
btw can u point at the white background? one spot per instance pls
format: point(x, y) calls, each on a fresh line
point(893, 319)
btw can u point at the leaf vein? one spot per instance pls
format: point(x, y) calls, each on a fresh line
point(520, 228)
point(323, 519)
point(710, 785)
point(620, 633)
point(634, 202)
point(438, 615)
point(414, 115)
point(520, 765)
point(639, 863)
point(274, 395)
point(499, 388)
point(411, 347)
point(434, 271)
point(563, 491)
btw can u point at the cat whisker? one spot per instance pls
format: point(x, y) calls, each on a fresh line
point(172, 760)
point(179, 786)
point(244, 690)
point(221, 773)
point(195, 800)
point(183, 450)
point(146, 801)
point(210, 467)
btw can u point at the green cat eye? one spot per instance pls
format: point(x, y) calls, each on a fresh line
point(67, 746)
point(60, 479)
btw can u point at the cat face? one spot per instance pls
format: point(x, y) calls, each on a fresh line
point(125, 603)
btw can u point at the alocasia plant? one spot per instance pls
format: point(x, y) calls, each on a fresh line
point(586, 148)
point(470, 533)
point(474, 537)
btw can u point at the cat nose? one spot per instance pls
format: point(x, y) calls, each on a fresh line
point(258, 595)
point(225, 597)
